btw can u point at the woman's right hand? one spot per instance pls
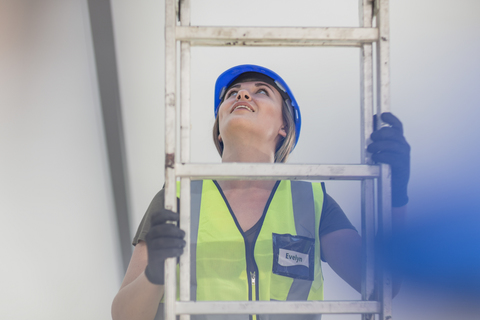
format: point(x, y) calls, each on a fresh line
point(164, 240)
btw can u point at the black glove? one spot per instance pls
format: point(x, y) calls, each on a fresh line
point(389, 146)
point(164, 240)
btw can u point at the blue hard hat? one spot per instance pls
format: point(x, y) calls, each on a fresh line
point(228, 77)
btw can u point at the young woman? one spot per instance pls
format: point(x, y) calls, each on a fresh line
point(256, 239)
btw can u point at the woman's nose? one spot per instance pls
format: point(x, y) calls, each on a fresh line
point(243, 94)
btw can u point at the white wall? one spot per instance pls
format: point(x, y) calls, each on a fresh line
point(53, 165)
point(59, 254)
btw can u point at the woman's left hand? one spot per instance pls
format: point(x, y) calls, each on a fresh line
point(390, 146)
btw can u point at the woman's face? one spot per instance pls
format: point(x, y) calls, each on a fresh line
point(252, 112)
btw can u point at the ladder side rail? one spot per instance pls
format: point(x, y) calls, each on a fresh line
point(170, 146)
point(185, 70)
point(185, 196)
point(185, 258)
point(367, 187)
point(384, 183)
point(384, 231)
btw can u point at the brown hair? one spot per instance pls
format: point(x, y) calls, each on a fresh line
point(285, 145)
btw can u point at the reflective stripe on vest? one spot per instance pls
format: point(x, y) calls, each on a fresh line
point(220, 267)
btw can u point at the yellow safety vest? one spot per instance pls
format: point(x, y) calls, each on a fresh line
point(218, 248)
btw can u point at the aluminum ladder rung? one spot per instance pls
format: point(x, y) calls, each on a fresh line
point(279, 36)
point(278, 307)
point(261, 171)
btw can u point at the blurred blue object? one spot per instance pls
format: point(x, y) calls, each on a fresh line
point(441, 252)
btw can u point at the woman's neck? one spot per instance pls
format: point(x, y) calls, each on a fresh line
point(245, 186)
point(247, 153)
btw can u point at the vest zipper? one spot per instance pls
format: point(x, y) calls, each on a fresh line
point(254, 290)
point(253, 283)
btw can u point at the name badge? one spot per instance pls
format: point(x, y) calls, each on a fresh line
point(293, 256)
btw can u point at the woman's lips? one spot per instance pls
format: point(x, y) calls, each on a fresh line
point(242, 105)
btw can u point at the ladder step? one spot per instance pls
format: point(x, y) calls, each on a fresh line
point(282, 36)
point(261, 171)
point(277, 307)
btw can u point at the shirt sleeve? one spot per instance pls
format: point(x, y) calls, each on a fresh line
point(333, 218)
point(157, 202)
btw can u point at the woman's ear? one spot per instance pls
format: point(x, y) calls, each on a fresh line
point(282, 132)
point(219, 138)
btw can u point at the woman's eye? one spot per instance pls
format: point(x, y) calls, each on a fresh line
point(231, 94)
point(263, 91)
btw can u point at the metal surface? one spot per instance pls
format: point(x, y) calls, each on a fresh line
point(367, 192)
point(262, 171)
point(384, 232)
point(185, 97)
point(170, 133)
point(385, 195)
point(185, 258)
point(278, 307)
point(107, 75)
point(184, 8)
point(261, 36)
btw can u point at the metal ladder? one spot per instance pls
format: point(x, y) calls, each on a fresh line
point(180, 167)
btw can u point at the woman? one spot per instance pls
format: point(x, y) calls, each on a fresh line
point(256, 239)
